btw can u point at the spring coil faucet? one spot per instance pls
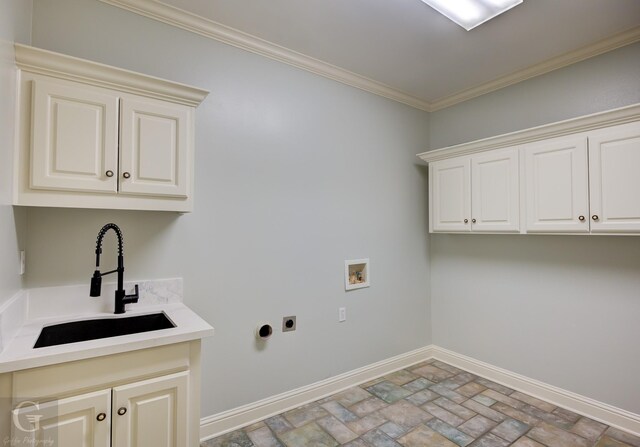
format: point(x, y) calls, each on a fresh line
point(96, 281)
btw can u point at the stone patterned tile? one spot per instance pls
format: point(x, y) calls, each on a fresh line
point(255, 426)
point(340, 412)
point(477, 425)
point(606, 441)
point(443, 414)
point(526, 442)
point(236, 438)
point(392, 429)
point(446, 367)
point(432, 373)
point(456, 409)
point(449, 432)
point(484, 400)
point(351, 396)
point(490, 440)
point(544, 406)
point(263, 437)
point(378, 438)
point(337, 429)
point(368, 406)
point(511, 429)
point(303, 415)
point(405, 414)
point(423, 436)
point(567, 414)
point(485, 411)
point(449, 394)
point(494, 386)
point(371, 382)
point(503, 398)
point(552, 436)
point(310, 435)
point(367, 423)
point(389, 392)
point(418, 385)
point(551, 418)
point(470, 389)
point(401, 377)
point(458, 380)
point(278, 424)
point(515, 414)
point(621, 436)
point(357, 443)
point(421, 397)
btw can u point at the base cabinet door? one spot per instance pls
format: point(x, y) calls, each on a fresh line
point(557, 185)
point(614, 181)
point(450, 195)
point(78, 421)
point(152, 412)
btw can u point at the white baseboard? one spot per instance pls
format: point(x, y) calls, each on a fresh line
point(218, 424)
point(605, 413)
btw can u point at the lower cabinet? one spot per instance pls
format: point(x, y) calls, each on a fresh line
point(147, 413)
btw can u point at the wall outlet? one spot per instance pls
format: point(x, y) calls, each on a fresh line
point(342, 314)
point(23, 263)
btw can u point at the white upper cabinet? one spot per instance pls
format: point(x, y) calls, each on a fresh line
point(557, 185)
point(94, 136)
point(614, 178)
point(476, 194)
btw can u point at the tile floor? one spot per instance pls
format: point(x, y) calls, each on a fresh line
point(429, 404)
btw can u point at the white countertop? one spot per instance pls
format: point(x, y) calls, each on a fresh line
point(18, 352)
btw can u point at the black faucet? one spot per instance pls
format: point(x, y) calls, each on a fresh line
point(96, 280)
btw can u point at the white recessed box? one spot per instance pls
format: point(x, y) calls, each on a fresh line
point(356, 274)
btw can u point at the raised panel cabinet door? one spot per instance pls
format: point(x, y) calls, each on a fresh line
point(154, 148)
point(495, 191)
point(450, 195)
point(152, 412)
point(78, 421)
point(614, 179)
point(557, 185)
point(74, 137)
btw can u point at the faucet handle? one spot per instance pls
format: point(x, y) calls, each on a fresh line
point(133, 298)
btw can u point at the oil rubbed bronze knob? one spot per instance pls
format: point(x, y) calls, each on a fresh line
point(126, 175)
point(109, 173)
point(466, 221)
point(595, 217)
point(473, 221)
point(581, 218)
point(101, 417)
point(122, 411)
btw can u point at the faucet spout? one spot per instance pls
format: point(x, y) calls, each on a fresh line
point(96, 280)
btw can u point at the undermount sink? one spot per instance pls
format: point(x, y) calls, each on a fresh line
point(83, 330)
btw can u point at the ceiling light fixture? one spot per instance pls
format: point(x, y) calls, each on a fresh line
point(471, 13)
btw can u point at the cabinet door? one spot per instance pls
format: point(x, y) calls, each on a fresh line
point(66, 422)
point(495, 191)
point(74, 137)
point(450, 195)
point(154, 148)
point(152, 412)
point(614, 179)
point(557, 185)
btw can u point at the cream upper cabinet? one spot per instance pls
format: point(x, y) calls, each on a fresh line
point(557, 185)
point(614, 179)
point(94, 136)
point(475, 194)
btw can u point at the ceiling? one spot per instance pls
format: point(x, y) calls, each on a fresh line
point(406, 45)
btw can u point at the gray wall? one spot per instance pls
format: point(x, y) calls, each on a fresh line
point(15, 25)
point(527, 302)
point(294, 174)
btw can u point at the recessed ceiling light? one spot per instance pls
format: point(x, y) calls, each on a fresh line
point(471, 13)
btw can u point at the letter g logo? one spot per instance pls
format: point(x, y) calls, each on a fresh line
point(32, 419)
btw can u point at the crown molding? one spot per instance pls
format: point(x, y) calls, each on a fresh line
point(37, 60)
point(155, 9)
point(611, 43)
point(208, 28)
point(571, 126)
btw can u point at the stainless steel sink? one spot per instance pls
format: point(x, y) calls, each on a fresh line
point(83, 330)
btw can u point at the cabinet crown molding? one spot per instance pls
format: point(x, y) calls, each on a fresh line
point(561, 128)
point(49, 63)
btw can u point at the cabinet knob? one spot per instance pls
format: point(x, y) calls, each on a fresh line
point(109, 173)
point(595, 217)
point(126, 175)
point(101, 417)
point(473, 221)
point(466, 221)
point(122, 411)
point(581, 218)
